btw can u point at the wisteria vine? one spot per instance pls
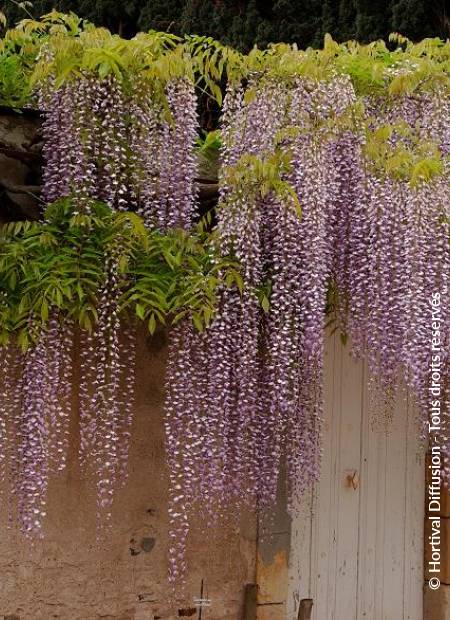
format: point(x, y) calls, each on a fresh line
point(122, 147)
point(334, 199)
point(370, 247)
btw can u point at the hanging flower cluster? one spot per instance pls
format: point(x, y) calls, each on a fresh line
point(334, 197)
point(249, 390)
point(35, 406)
point(122, 146)
point(118, 144)
point(328, 205)
point(393, 254)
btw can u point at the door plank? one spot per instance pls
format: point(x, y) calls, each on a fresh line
point(359, 552)
point(346, 574)
point(311, 543)
point(414, 511)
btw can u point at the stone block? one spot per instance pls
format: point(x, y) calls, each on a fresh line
point(143, 612)
point(271, 612)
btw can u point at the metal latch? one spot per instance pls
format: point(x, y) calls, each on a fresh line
point(353, 479)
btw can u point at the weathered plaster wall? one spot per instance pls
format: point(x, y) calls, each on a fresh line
point(70, 577)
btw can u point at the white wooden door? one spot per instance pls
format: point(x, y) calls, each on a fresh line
point(357, 543)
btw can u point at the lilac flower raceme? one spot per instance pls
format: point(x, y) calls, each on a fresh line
point(378, 237)
point(394, 253)
point(177, 195)
point(249, 390)
point(37, 424)
point(106, 393)
point(326, 204)
point(117, 143)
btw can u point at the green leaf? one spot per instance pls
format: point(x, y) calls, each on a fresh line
point(140, 311)
point(197, 322)
point(265, 304)
point(44, 311)
point(152, 324)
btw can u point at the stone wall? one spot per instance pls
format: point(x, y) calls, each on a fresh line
point(20, 165)
point(70, 576)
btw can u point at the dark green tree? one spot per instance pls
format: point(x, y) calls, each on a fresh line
point(373, 19)
point(420, 18)
point(161, 15)
point(244, 23)
point(346, 22)
point(328, 21)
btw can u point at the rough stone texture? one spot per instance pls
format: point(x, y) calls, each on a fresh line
point(71, 577)
point(21, 161)
point(20, 164)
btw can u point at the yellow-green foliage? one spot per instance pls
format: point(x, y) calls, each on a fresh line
point(259, 177)
point(408, 158)
point(63, 47)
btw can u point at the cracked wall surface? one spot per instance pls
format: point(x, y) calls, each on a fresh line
point(71, 576)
